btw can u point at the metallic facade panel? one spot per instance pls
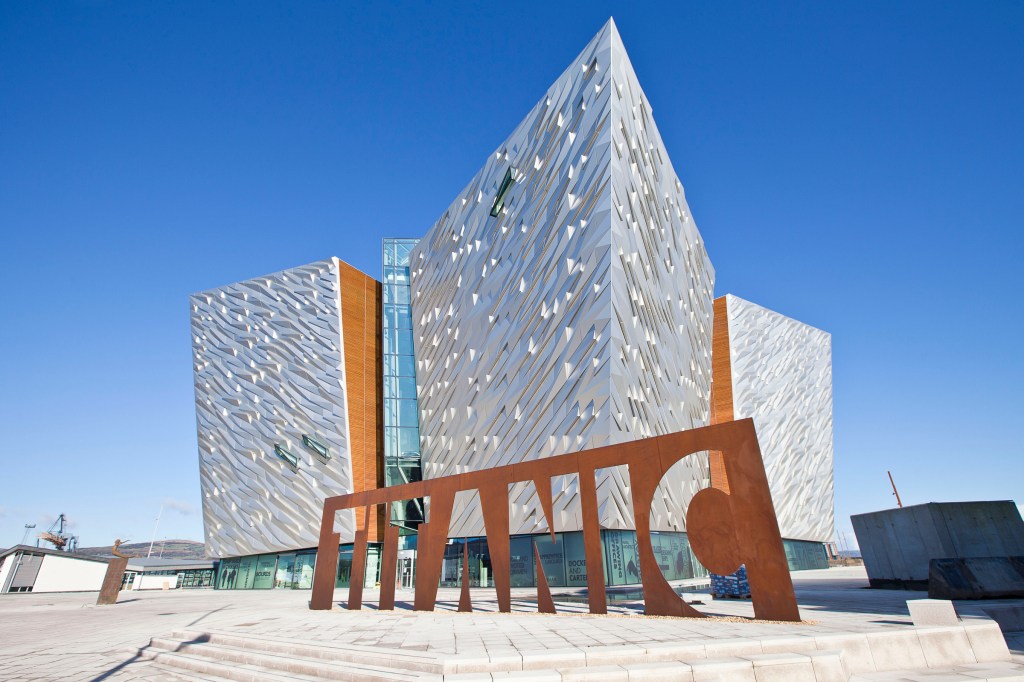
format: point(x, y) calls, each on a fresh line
point(782, 378)
point(579, 316)
point(269, 368)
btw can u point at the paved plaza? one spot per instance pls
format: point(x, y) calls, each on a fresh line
point(65, 637)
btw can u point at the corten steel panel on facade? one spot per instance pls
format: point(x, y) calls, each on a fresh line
point(725, 529)
point(360, 324)
point(721, 388)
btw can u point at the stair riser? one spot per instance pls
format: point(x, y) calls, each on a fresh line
point(389, 659)
point(274, 664)
point(201, 667)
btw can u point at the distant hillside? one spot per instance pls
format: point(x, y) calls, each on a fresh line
point(168, 549)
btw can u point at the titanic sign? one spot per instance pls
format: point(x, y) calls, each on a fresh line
point(727, 526)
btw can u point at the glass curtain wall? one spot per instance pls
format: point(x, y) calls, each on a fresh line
point(401, 414)
point(565, 562)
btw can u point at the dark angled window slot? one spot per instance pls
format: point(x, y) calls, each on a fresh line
point(316, 446)
point(499, 200)
point(286, 456)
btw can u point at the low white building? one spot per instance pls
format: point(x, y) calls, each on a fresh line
point(35, 569)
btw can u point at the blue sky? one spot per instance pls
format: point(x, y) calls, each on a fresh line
point(856, 166)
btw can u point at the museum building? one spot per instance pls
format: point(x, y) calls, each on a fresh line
point(564, 301)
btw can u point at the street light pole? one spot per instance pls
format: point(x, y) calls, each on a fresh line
point(28, 527)
point(155, 527)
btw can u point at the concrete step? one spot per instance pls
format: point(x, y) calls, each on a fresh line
point(1004, 671)
point(817, 666)
point(347, 653)
point(197, 667)
point(247, 665)
point(183, 676)
point(815, 657)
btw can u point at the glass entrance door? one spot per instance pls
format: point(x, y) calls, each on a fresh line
point(302, 574)
point(285, 570)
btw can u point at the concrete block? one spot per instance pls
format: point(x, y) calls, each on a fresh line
point(772, 645)
point(530, 675)
point(615, 654)
point(828, 666)
point(782, 667)
point(663, 671)
point(716, 669)
point(987, 642)
point(946, 646)
point(976, 577)
point(727, 647)
point(896, 649)
point(926, 612)
point(595, 673)
point(501, 661)
point(553, 658)
point(856, 651)
point(471, 663)
point(674, 651)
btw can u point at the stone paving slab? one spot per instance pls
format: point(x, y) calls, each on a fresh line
point(65, 637)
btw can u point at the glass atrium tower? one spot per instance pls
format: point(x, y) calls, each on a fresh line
point(401, 418)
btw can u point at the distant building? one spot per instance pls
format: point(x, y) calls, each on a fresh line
point(36, 569)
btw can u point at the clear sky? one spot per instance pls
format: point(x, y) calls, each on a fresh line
point(856, 166)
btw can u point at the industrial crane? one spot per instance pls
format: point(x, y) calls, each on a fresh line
point(58, 537)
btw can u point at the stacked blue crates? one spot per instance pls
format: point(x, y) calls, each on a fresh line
point(734, 585)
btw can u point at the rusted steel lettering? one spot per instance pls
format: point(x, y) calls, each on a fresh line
point(726, 527)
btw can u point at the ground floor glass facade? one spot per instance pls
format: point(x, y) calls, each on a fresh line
point(563, 559)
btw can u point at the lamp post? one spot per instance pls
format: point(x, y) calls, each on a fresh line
point(28, 527)
point(155, 527)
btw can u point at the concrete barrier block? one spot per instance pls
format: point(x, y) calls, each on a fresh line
point(856, 651)
point(896, 649)
point(946, 647)
point(772, 645)
point(987, 642)
point(729, 668)
point(925, 612)
point(828, 666)
point(782, 667)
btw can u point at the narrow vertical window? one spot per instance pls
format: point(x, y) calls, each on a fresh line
point(499, 200)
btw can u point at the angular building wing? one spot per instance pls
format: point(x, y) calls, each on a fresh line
point(287, 402)
point(564, 301)
point(778, 371)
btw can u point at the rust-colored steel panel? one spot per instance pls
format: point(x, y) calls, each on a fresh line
point(726, 527)
point(361, 340)
point(721, 386)
point(494, 501)
point(388, 566)
point(433, 536)
point(358, 575)
point(465, 601)
point(326, 571)
point(544, 602)
point(112, 580)
point(596, 597)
